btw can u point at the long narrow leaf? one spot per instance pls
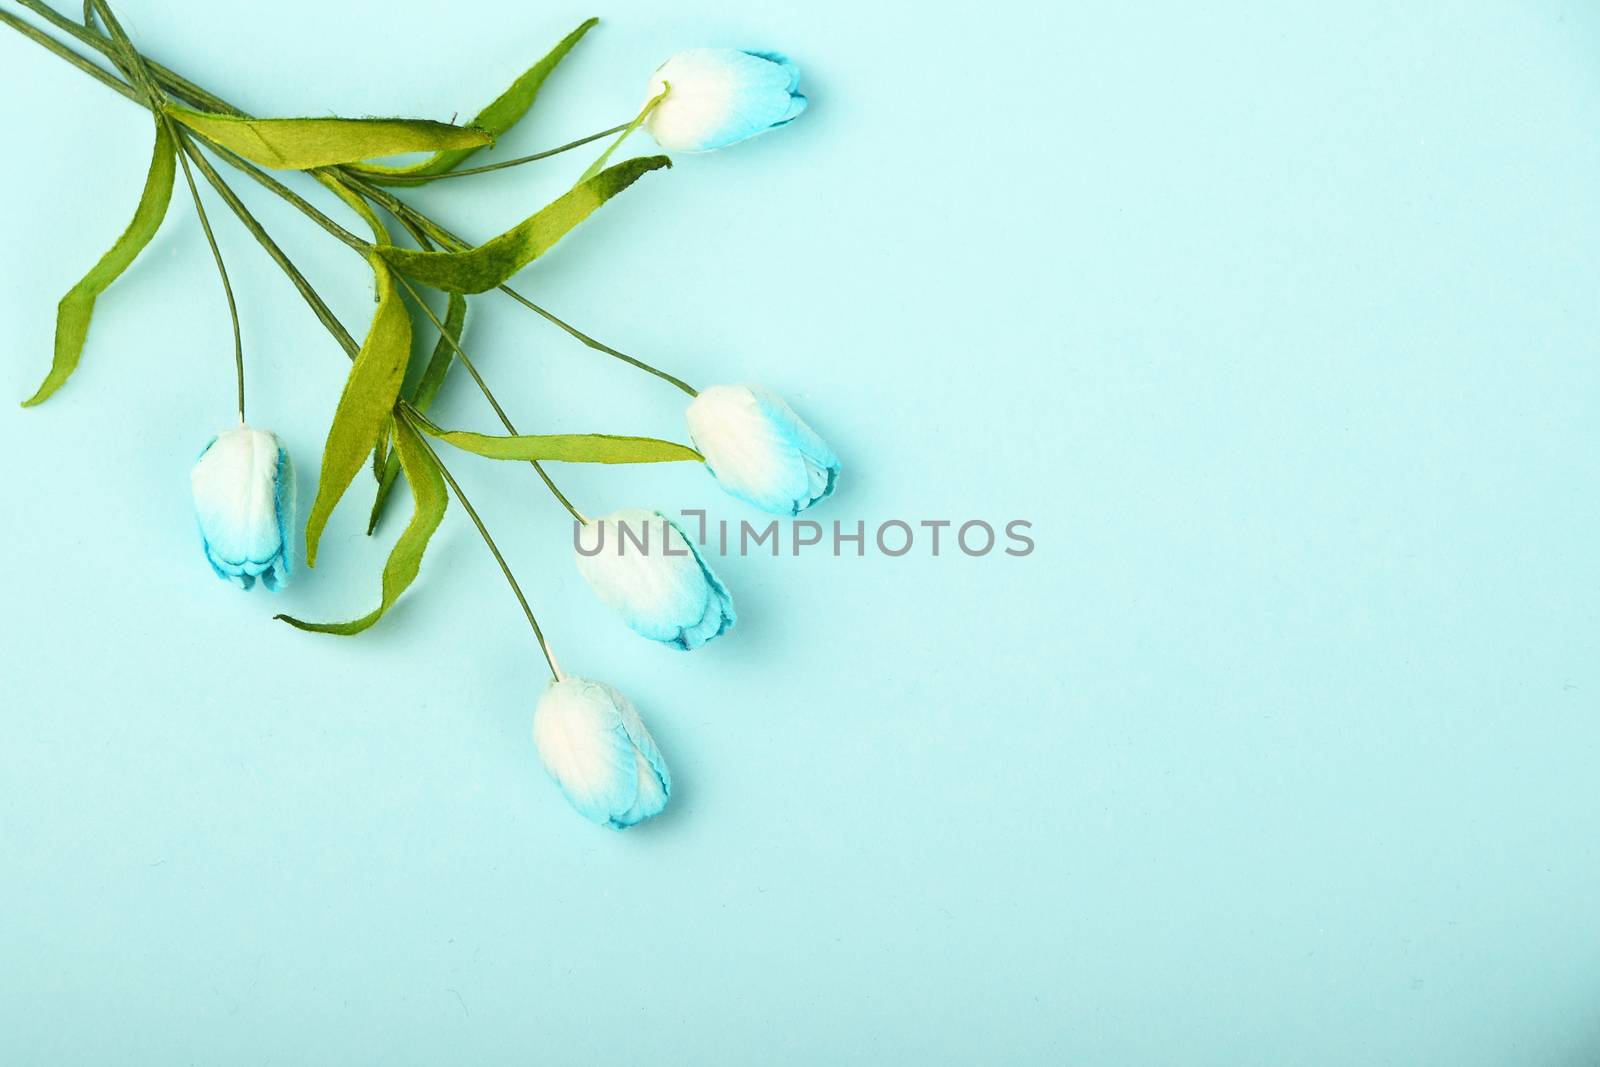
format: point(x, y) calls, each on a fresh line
point(567, 447)
point(77, 307)
point(382, 460)
point(365, 409)
point(429, 500)
point(504, 113)
point(492, 263)
point(455, 320)
point(301, 144)
point(365, 405)
point(422, 396)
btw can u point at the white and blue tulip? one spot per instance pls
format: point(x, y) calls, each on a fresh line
point(759, 450)
point(595, 746)
point(717, 96)
point(642, 565)
point(244, 500)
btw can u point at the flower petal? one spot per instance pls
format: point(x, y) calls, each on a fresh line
point(237, 484)
point(760, 450)
point(654, 780)
point(278, 576)
point(579, 732)
point(721, 95)
point(644, 567)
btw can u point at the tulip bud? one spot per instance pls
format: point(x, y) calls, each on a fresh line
point(244, 500)
point(759, 450)
point(641, 564)
point(595, 746)
point(716, 96)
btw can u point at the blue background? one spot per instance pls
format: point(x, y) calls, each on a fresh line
point(1277, 320)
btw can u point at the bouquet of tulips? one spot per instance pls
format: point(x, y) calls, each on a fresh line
point(588, 735)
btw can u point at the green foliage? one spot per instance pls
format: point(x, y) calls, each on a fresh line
point(567, 447)
point(365, 405)
point(504, 113)
point(423, 394)
point(429, 500)
point(77, 307)
point(493, 263)
point(302, 144)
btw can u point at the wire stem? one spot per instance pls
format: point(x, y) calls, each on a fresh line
point(598, 165)
point(170, 79)
point(494, 550)
point(598, 346)
point(49, 43)
point(318, 306)
point(488, 395)
point(423, 179)
point(185, 150)
point(132, 65)
point(293, 199)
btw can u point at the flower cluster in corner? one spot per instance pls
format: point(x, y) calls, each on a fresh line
point(588, 736)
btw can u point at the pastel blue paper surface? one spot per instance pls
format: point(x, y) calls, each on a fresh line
point(1278, 321)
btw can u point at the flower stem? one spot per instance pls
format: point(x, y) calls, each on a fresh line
point(185, 150)
point(318, 306)
point(51, 44)
point(132, 65)
point(650, 105)
point(124, 55)
point(488, 395)
point(494, 550)
point(293, 199)
point(598, 346)
point(423, 179)
point(173, 81)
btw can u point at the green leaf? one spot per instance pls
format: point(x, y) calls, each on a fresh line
point(302, 144)
point(455, 319)
point(492, 263)
point(386, 479)
point(504, 113)
point(405, 559)
point(382, 460)
point(380, 454)
point(365, 405)
point(567, 447)
point(422, 396)
point(77, 307)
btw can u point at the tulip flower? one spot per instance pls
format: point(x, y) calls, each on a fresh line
point(244, 500)
point(759, 450)
point(642, 565)
point(595, 746)
point(717, 96)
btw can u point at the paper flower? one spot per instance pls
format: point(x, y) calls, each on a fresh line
point(717, 96)
point(642, 565)
point(244, 500)
point(595, 746)
point(588, 736)
point(759, 450)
